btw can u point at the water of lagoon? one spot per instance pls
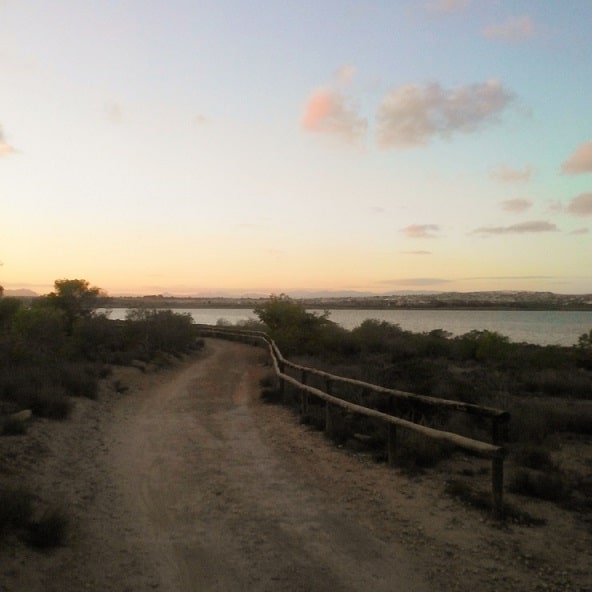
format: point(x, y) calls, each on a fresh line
point(539, 327)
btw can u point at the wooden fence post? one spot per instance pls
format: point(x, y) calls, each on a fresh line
point(499, 429)
point(497, 487)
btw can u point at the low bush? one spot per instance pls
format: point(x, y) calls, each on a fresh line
point(533, 457)
point(50, 530)
point(550, 486)
point(13, 427)
point(50, 403)
point(417, 451)
point(16, 509)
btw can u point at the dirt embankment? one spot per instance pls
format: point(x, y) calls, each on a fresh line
point(189, 482)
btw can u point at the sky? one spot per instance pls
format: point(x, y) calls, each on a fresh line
point(224, 147)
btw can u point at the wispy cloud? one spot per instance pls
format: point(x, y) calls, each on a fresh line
point(327, 111)
point(521, 228)
point(516, 205)
point(516, 28)
point(416, 252)
point(511, 277)
point(578, 231)
point(5, 147)
point(421, 230)
point(581, 205)
point(416, 281)
point(580, 161)
point(446, 6)
point(412, 116)
point(507, 174)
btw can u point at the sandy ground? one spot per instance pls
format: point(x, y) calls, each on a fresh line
point(189, 482)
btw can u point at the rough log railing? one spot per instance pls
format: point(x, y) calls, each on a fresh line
point(492, 451)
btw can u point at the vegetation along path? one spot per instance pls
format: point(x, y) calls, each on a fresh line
point(189, 482)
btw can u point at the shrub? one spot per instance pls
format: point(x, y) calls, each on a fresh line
point(50, 530)
point(16, 508)
point(13, 427)
point(550, 486)
point(49, 403)
point(533, 457)
point(80, 380)
point(417, 451)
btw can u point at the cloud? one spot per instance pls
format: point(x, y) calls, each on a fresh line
point(417, 281)
point(411, 116)
point(581, 205)
point(5, 147)
point(446, 6)
point(580, 161)
point(580, 231)
point(516, 28)
point(516, 205)
point(416, 252)
point(345, 74)
point(327, 112)
point(421, 230)
point(114, 112)
point(507, 174)
point(522, 228)
point(511, 277)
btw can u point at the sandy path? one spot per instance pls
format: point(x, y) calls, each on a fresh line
point(222, 510)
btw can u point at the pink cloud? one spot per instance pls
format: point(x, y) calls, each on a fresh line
point(507, 174)
point(411, 116)
point(516, 205)
point(580, 161)
point(516, 28)
point(578, 231)
point(581, 205)
point(5, 148)
point(421, 230)
point(327, 112)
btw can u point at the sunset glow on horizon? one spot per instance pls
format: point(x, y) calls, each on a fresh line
point(225, 148)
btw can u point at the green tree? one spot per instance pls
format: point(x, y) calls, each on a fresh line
point(293, 328)
point(77, 299)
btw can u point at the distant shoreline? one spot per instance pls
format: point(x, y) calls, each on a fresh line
point(551, 302)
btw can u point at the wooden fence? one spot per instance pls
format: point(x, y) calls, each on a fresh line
point(499, 418)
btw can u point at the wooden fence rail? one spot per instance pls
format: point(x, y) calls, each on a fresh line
point(492, 451)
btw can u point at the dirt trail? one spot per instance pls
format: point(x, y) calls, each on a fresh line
point(222, 510)
point(190, 483)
